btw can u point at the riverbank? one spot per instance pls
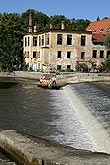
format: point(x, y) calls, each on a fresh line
point(25, 149)
point(62, 79)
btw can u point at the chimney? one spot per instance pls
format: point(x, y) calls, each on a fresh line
point(30, 22)
point(62, 25)
point(35, 28)
point(51, 26)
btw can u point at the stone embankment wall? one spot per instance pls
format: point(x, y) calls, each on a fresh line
point(82, 77)
point(63, 78)
point(22, 74)
point(28, 150)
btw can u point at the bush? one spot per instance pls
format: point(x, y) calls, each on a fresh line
point(69, 70)
point(106, 65)
point(82, 67)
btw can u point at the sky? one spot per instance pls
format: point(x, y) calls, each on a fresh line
point(78, 9)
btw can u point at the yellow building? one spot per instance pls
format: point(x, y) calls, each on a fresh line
point(60, 49)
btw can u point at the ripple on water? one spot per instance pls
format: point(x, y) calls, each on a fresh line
point(48, 113)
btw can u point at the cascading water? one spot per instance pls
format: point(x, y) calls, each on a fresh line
point(70, 127)
point(84, 100)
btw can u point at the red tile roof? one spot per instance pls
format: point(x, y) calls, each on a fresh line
point(98, 37)
point(102, 26)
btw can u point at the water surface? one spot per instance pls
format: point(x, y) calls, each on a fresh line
point(56, 114)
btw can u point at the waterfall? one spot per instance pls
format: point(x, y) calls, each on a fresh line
point(96, 132)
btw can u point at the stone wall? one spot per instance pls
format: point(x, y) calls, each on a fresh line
point(63, 78)
point(28, 150)
point(31, 75)
point(82, 77)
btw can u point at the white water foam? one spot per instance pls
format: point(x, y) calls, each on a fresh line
point(70, 130)
point(96, 132)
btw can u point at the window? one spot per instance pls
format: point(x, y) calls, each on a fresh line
point(69, 39)
point(108, 54)
point(28, 41)
point(27, 54)
point(25, 41)
point(59, 39)
point(101, 30)
point(108, 29)
point(93, 30)
point(38, 65)
point(68, 54)
point(34, 54)
point(101, 53)
point(82, 55)
point(68, 66)
point(39, 40)
point(38, 54)
point(58, 67)
point(42, 39)
point(34, 41)
point(94, 54)
point(47, 39)
point(59, 54)
point(83, 40)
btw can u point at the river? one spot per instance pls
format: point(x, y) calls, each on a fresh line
point(78, 115)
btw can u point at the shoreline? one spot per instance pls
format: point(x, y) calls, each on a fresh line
point(62, 79)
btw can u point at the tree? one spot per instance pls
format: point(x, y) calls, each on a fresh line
point(105, 18)
point(98, 18)
point(41, 19)
point(106, 65)
point(56, 21)
point(81, 24)
point(82, 67)
point(10, 40)
point(107, 42)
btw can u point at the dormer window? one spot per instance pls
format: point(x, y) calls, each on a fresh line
point(101, 30)
point(93, 30)
point(108, 29)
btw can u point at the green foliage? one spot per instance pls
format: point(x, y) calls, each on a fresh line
point(57, 19)
point(73, 24)
point(107, 42)
point(10, 40)
point(98, 18)
point(41, 19)
point(105, 18)
point(81, 24)
point(82, 67)
point(69, 70)
point(106, 65)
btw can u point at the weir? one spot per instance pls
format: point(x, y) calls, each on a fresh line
point(96, 132)
point(26, 149)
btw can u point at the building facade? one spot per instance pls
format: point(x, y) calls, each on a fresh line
point(100, 31)
point(61, 49)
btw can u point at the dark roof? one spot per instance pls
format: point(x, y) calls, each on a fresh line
point(60, 31)
point(71, 31)
point(98, 37)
